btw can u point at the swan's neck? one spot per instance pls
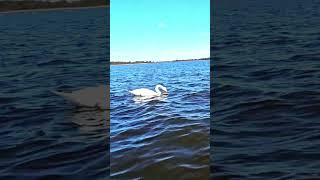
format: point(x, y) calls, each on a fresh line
point(157, 90)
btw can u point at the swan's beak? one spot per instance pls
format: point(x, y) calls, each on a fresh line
point(164, 91)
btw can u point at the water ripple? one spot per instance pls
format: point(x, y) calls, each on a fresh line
point(165, 136)
point(42, 135)
point(265, 90)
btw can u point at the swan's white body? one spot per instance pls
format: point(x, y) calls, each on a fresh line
point(97, 97)
point(149, 93)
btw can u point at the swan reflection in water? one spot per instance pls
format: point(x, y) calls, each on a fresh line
point(90, 120)
point(142, 99)
point(92, 107)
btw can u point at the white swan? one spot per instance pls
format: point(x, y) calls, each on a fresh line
point(96, 97)
point(160, 90)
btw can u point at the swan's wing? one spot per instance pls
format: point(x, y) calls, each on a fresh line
point(67, 96)
point(90, 97)
point(143, 92)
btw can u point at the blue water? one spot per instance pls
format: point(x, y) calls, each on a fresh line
point(167, 137)
point(266, 62)
point(42, 135)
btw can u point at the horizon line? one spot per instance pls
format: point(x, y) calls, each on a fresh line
point(160, 60)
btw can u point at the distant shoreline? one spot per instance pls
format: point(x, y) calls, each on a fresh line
point(153, 62)
point(52, 9)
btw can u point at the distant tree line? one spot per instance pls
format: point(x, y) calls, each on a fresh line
point(26, 5)
point(200, 59)
point(133, 62)
point(139, 62)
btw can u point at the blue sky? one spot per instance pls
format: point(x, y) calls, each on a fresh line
point(158, 30)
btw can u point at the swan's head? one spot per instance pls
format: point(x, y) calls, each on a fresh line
point(162, 89)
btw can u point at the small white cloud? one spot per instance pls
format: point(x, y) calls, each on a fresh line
point(162, 25)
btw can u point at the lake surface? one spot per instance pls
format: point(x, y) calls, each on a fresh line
point(42, 135)
point(167, 138)
point(266, 85)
